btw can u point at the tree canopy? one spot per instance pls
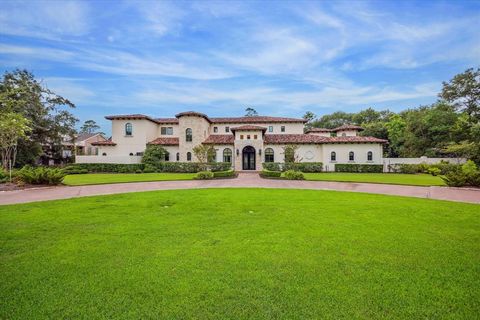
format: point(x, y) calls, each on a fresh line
point(48, 114)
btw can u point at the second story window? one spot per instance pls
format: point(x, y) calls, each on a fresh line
point(241, 137)
point(166, 131)
point(215, 129)
point(227, 129)
point(128, 129)
point(188, 135)
point(282, 128)
point(270, 128)
point(255, 137)
point(248, 137)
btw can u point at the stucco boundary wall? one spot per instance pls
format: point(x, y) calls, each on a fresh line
point(108, 159)
point(426, 160)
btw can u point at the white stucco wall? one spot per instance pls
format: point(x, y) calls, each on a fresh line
point(348, 133)
point(360, 151)
point(304, 153)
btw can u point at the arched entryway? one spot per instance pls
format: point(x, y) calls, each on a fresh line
point(248, 156)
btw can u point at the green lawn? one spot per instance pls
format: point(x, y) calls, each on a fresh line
point(389, 178)
point(104, 178)
point(240, 254)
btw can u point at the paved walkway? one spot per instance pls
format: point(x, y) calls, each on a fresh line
point(243, 180)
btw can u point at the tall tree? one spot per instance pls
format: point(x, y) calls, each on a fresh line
point(250, 112)
point(13, 127)
point(333, 120)
point(463, 91)
point(89, 126)
point(309, 117)
point(47, 112)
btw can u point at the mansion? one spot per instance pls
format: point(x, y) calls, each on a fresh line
point(246, 142)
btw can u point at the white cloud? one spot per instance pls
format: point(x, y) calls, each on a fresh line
point(45, 19)
point(70, 88)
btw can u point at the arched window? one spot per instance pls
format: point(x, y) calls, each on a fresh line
point(369, 156)
point(166, 156)
point(104, 154)
point(128, 129)
point(333, 156)
point(269, 155)
point(131, 154)
point(351, 156)
point(189, 156)
point(227, 155)
point(178, 156)
point(188, 135)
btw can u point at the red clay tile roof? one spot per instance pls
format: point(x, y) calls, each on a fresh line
point(354, 139)
point(192, 113)
point(313, 139)
point(248, 128)
point(165, 141)
point(293, 138)
point(255, 119)
point(167, 120)
point(130, 117)
point(104, 143)
point(318, 130)
point(348, 127)
point(219, 139)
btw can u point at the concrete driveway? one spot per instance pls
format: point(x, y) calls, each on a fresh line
point(244, 180)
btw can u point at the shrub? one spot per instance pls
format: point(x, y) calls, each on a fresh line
point(220, 166)
point(434, 171)
point(154, 154)
point(272, 166)
point(362, 168)
point(224, 174)
point(74, 170)
point(294, 175)
point(138, 171)
point(303, 166)
point(445, 167)
point(296, 166)
point(3, 176)
point(270, 174)
point(41, 175)
point(204, 175)
point(466, 175)
point(149, 168)
point(107, 167)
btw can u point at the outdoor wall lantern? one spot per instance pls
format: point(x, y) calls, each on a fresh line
point(238, 152)
point(259, 152)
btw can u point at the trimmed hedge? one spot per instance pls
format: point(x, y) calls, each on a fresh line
point(363, 168)
point(177, 167)
point(272, 166)
point(294, 175)
point(104, 167)
point(220, 166)
point(224, 174)
point(204, 175)
point(296, 166)
point(270, 174)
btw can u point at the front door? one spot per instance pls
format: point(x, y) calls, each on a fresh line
point(248, 158)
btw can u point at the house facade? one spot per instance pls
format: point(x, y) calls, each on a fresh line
point(246, 142)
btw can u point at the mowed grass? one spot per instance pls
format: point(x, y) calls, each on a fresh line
point(240, 254)
point(385, 178)
point(105, 178)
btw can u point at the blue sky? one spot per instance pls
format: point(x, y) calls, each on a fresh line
point(280, 57)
